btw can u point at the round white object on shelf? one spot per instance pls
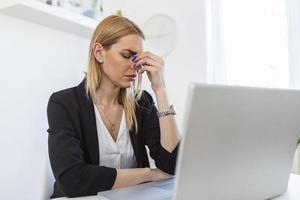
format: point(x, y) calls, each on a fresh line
point(161, 34)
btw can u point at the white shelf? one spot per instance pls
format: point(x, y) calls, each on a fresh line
point(53, 17)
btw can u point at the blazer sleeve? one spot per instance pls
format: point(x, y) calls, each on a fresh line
point(164, 160)
point(73, 175)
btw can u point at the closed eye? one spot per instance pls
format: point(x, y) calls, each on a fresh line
point(126, 56)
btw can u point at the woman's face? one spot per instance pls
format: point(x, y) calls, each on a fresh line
point(117, 63)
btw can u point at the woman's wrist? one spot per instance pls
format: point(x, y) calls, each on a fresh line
point(152, 174)
point(148, 174)
point(162, 99)
point(158, 175)
point(157, 90)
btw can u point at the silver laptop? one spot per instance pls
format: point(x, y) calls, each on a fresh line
point(238, 144)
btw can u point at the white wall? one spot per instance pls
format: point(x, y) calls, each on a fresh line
point(188, 61)
point(36, 60)
point(293, 13)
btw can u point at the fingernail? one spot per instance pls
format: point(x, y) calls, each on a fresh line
point(133, 57)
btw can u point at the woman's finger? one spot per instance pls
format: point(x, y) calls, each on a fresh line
point(148, 68)
point(147, 61)
point(148, 54)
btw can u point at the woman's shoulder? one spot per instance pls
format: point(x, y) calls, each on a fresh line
point(66, 97)
point(62, 95)
point(68, 93)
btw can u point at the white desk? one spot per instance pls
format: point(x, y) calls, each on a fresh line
point(293, 192)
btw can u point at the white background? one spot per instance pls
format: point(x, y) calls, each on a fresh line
point(36, 61)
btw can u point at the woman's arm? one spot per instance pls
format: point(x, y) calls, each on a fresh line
point(129, 177)
point(169, 136)
point(154, 66)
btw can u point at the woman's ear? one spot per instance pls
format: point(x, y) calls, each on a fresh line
point(98, 52)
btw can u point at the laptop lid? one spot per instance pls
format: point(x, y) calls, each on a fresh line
point(238, 143)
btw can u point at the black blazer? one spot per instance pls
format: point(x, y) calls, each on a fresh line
point(73, 143)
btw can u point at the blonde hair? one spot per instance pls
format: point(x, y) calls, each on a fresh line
point(107, 33)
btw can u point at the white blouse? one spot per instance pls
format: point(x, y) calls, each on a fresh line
point(113, 154)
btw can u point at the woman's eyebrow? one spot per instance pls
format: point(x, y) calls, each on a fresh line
point(131, 52)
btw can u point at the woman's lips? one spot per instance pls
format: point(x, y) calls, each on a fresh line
point(131, 77)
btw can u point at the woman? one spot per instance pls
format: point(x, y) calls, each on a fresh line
point(98, 130)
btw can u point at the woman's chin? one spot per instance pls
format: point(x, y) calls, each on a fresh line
point(124, 85)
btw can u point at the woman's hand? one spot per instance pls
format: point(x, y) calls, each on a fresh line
point(154, 65)
point(158, 175)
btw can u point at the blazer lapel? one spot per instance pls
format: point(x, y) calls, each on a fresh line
point(134, 142)
point(88, 122)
